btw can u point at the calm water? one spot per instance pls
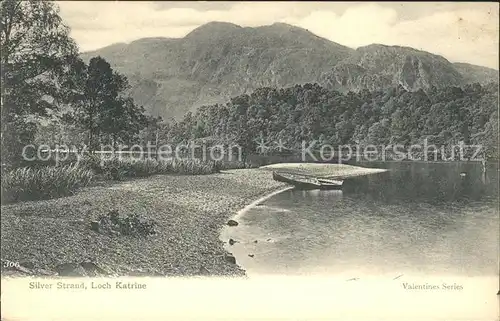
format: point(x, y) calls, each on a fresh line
point(415, 218)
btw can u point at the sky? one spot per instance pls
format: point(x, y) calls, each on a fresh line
point(459, 31)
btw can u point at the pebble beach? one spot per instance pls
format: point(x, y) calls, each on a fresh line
point(190, 212)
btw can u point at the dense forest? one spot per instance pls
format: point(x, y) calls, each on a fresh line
point(443, 117)
point(309, 112)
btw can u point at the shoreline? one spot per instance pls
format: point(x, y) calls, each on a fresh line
point(258, 201)
point(225, 231)
point(333, 170)
point(191, 213)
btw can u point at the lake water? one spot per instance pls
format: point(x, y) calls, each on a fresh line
point(417, 218)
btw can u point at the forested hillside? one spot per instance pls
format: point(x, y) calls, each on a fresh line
point(309, 112)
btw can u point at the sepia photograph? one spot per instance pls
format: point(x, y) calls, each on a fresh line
point(211, 160)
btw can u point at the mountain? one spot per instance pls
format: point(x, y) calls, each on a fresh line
point(219, 60)
point(479, 74)
point(380, 66)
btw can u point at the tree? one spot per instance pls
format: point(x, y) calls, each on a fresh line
point(122, 120)
point(37, 55)
point(379, 132)
point(489, 137)
point(155, 128)
point(102, 107)
point(395, 116)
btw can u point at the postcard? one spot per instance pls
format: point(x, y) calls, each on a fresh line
point(249, 160)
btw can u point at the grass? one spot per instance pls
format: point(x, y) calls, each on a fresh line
point(120, 168)
point(39, 182)
point(44, 182)
point(228, 165)
point(22, 184)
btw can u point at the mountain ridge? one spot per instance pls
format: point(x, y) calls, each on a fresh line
point(219, 60)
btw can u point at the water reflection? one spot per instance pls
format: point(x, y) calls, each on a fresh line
point(427, 182)
point(316, 194)
point(414, 218)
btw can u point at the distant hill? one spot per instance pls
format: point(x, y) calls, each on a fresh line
point(220, 60)
point(379, 66)
point(473, 73)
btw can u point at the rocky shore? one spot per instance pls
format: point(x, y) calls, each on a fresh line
point(55, 237)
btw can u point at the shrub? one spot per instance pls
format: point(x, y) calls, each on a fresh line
point(226, 165)
point(189, 166)
point(132, 225)
point(107, 169)
point(43, 183)
point(118, 168)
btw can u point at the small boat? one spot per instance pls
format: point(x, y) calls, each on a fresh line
point(307, 182)
point(300, 181)
point(328, 181)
